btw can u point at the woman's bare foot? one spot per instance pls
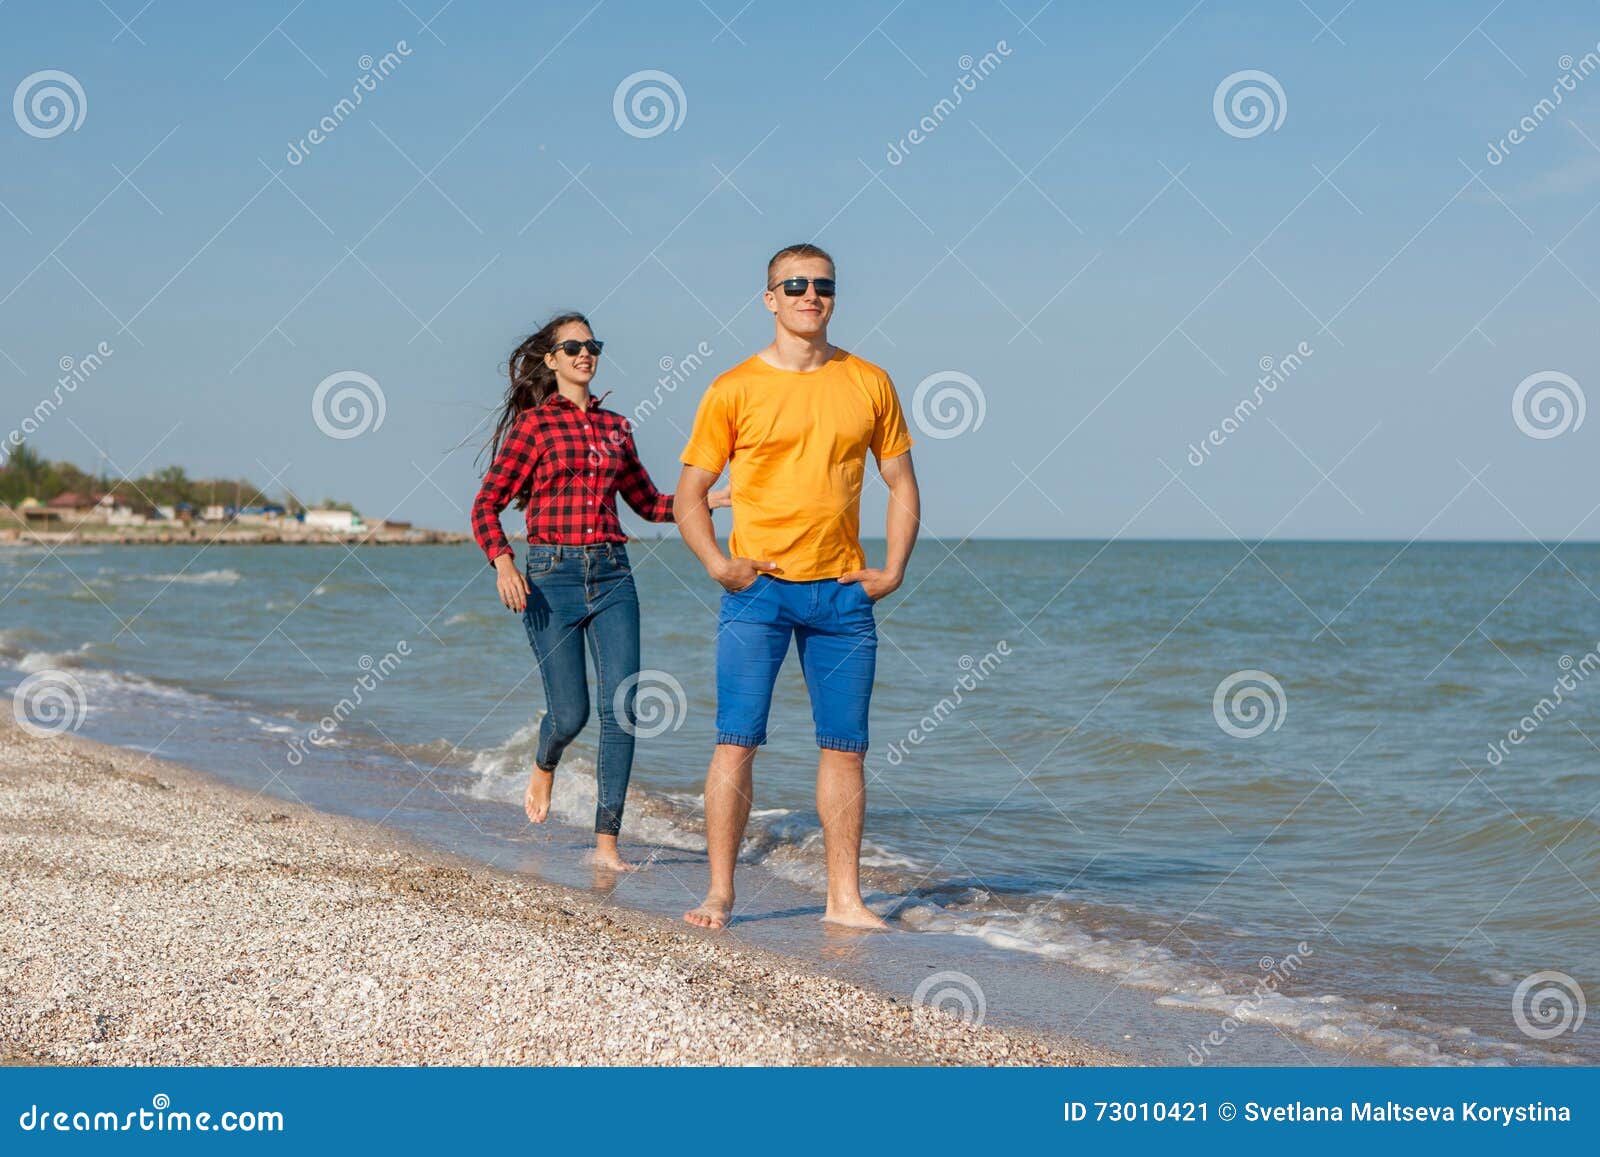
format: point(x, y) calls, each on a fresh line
point(854, 915)
point(536, 801)
point(605, 855)
point(713, 912)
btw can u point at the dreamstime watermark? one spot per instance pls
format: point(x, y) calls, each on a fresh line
point(659, 704)
point(49, 702)
point(74, 372)
point(1248, 703)
point(160, 1117)
point(1574, 673)
point(372, 71)
point(1572, 71)
point(649, 102)
point(976, 671)
point(973, 72)
point(348, 404)
point(349, 1004)
point(374, 672)
point(947, 404)
point(674, 372)
point(1547, 1004)
point(1249, 102)
point(1274, 373)
point(48, 103)
point(1548, 404)
point(948, 994)
point(1275, 972)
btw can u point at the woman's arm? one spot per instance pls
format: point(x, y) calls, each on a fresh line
point(633, 480)
point(507, 477)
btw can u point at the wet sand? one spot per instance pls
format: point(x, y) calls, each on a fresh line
point(154, 916)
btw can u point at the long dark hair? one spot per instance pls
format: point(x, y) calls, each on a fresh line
point(531, 381)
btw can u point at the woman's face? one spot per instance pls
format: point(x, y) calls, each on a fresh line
point(579, 368)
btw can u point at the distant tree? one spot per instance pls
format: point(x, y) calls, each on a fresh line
point(24, 471)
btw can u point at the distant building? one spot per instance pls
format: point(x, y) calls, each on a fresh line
point(115, 512)
point(268, 515)
point(72, 507)
point(336, 520)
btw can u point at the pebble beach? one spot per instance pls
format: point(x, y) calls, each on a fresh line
point(154, 916)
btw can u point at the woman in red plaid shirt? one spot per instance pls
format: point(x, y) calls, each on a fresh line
point(558, 454)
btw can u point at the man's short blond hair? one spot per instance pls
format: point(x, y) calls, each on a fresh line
point(804, 249)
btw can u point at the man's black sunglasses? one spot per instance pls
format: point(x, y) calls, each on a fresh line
point(571, 348)
point(796, 286)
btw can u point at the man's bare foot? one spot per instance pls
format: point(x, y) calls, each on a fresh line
point(856, 915)
point(712, 913)
point(536, 801)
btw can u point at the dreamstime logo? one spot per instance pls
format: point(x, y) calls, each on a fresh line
point(1247, 703)
point(372, 72)
point(373, 673)
point(1274, 373)
point(1548, 404)
point(659, 704)
point(1573, 673)
point(1548, 1004)
point(74, 372)
point(348, 404)
point(1572, 71)
point(1257, 103)
point(947, 404)
point(950, 994)
point(349, 1004)
point(974, 672)
point(648, 103)
point(973, 72)
point(1275, 972)
point(47, 104)
point(49, 702)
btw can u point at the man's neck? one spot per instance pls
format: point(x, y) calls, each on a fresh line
point(800, 354)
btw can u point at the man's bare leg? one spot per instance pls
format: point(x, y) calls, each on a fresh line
point(728, 794)
point(842, 805)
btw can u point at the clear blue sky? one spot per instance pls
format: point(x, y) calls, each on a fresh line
point(1426, 295)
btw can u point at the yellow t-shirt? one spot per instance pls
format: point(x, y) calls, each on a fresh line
point(798, 446)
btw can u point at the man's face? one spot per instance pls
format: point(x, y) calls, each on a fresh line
point(806, 315)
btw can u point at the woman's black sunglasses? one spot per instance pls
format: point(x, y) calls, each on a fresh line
point(571, 348)
point(795, 286)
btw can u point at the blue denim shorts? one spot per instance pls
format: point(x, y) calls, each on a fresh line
point(836, 633)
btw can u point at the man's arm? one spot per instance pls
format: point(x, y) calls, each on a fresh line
point(692, 513)
point(904, 516)
point(903, 519)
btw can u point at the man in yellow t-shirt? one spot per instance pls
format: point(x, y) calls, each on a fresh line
point(794, 424)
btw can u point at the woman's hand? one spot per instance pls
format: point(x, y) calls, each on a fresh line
point(716, 499)
point(508, 581)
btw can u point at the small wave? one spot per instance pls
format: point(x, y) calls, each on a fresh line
point(53, 660)
point(14, 641)
point(226, 576)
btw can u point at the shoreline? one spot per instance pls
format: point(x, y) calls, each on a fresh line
point(252, 931)
point(237, 537)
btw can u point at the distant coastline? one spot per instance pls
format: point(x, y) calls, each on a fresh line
point(45, 503)
point(181, 534)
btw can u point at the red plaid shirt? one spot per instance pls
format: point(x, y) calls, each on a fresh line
point(571, 463)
